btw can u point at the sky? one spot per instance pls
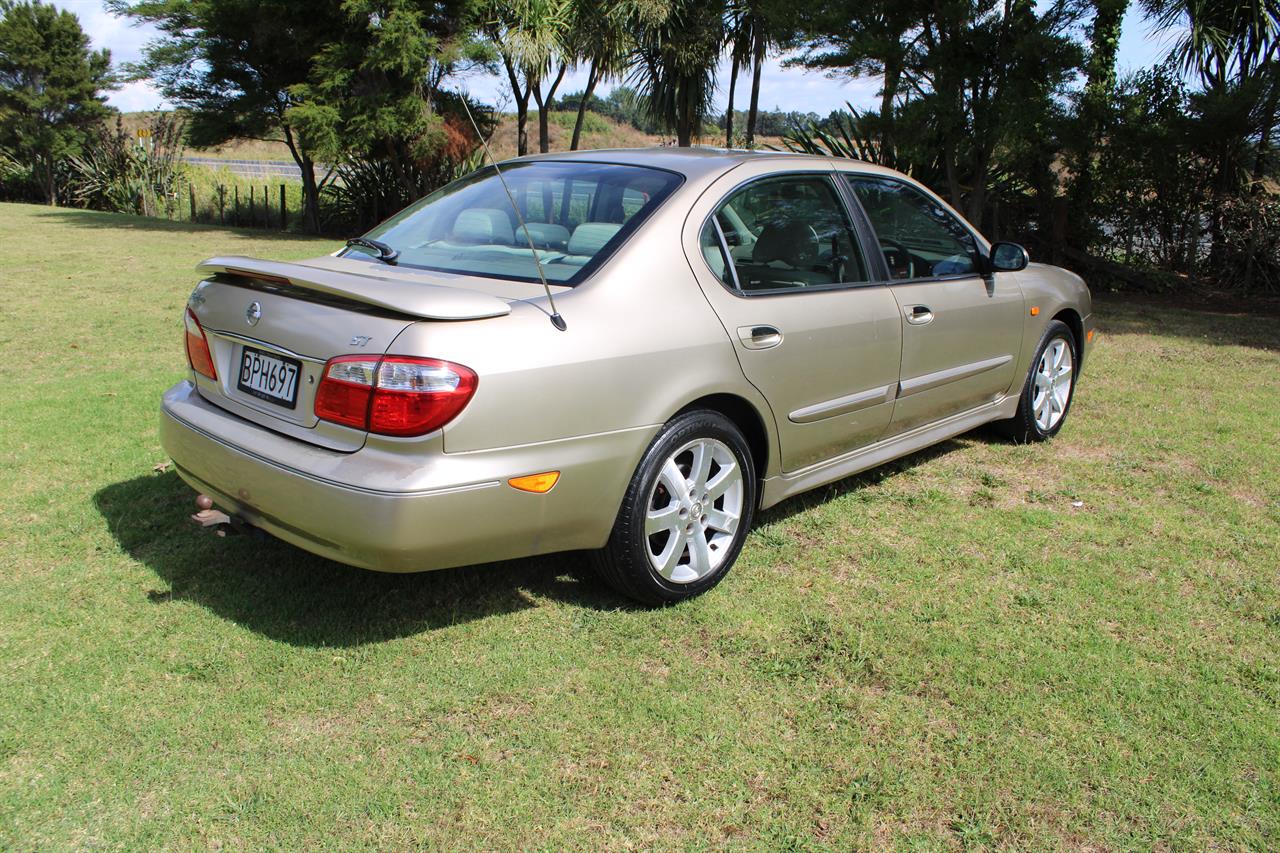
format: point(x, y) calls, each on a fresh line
point(780, 88)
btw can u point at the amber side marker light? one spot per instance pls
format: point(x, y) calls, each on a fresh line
point(1089, 337)
point(536, 483)
point(1035, 311)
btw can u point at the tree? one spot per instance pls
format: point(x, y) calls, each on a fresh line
point(1095, 108)
point(233, 64)
point(853, 38)
point(756, 29)
point(1233, 46)
point(674, 65)
point(50, 88)
point(530, 36)
point(601, 36)
point(376, 93)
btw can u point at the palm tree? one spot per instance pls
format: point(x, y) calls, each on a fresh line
point(752, 31)
point(739, 40)
point(530, 36)
point(1233, 46)
point(602, 37)
point(674, 65)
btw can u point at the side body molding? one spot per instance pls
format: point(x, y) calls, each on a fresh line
point(843, 405)
point(915, 385)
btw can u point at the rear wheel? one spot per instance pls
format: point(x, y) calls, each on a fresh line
point(1046, 395)
point(685, 514)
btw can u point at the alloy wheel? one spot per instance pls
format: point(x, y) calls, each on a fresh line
point(693, 511)
point(1052, 389)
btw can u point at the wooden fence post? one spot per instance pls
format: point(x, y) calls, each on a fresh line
point(284, 211)
point(222, 203)
point(237, 189)
point(266, 207)
point(191, 188)
point(252, 215)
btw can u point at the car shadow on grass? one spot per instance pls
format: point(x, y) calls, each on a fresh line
point(292, 596)
point(295, 597)
point(824, 494)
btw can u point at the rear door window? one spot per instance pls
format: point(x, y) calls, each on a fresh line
point(786, 233)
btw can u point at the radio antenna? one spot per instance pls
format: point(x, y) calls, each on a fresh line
point(556, 319)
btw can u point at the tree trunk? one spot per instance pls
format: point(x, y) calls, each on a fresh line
point(1100, 84)
point(582, 105)
point(521, 96)
point(310, 190)
point(50, 183)
point(544, 118)
point(953, 180)
point(728, 116)
point(892, 78)
point(755, 89)
point(1264, 143)
point(522, 128)
point(684, 122)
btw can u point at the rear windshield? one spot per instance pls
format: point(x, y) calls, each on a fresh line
point(575, 214)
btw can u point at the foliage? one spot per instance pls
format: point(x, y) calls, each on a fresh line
point(854, 135)
point(1250, 257)
point(674, 65)
point(50, 91)
point(234, 65)
point(371, 95)
point(124, 173)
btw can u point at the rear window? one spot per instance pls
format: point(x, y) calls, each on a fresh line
point(576, 214)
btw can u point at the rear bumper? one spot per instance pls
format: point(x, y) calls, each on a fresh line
point(398, 511)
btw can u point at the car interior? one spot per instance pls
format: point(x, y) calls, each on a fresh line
point(568, 216)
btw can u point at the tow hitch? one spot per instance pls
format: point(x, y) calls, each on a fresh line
point(218, 521)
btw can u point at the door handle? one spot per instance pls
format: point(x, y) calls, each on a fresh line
point(918, 315)
point(759, 337)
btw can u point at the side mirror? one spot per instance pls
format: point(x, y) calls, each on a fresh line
point(733, 238)
point(1008, 257)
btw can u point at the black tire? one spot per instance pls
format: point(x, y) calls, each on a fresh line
point(624, 562)
point(1022, 427)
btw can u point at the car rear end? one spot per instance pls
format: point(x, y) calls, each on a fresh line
point(322, 393)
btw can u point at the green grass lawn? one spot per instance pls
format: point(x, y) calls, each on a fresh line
point(1071, 645)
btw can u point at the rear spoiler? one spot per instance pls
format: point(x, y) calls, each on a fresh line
point(415, 299)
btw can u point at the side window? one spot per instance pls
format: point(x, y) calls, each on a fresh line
point(919, 238)
point(787, 232)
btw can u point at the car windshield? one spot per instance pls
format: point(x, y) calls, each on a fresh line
point(575, 214)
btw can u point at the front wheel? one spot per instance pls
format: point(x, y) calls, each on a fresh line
point(1046, 395)
point(685, 514)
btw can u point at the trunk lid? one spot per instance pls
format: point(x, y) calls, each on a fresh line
point(272, 326)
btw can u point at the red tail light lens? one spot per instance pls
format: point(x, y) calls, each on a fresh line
point(345, 389)
point(397, 395)
point(198, 354)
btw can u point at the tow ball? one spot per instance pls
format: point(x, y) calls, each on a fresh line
point(218, 521)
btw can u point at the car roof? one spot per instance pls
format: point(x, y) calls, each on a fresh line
point(698, 161)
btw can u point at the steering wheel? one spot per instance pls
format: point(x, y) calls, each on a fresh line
point(897, 258)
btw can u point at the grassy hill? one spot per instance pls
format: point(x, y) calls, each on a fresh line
point(598, 132)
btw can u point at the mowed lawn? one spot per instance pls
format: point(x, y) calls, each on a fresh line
point(1064, 646)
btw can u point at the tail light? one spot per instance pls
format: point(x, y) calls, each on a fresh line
point(395, 395)
point(198, 354)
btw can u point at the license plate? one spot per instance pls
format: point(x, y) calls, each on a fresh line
point(269, 377)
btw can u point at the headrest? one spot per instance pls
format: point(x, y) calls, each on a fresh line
point(590, 237)
point(545, 235)
point(793, 243)
point(483, 225)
